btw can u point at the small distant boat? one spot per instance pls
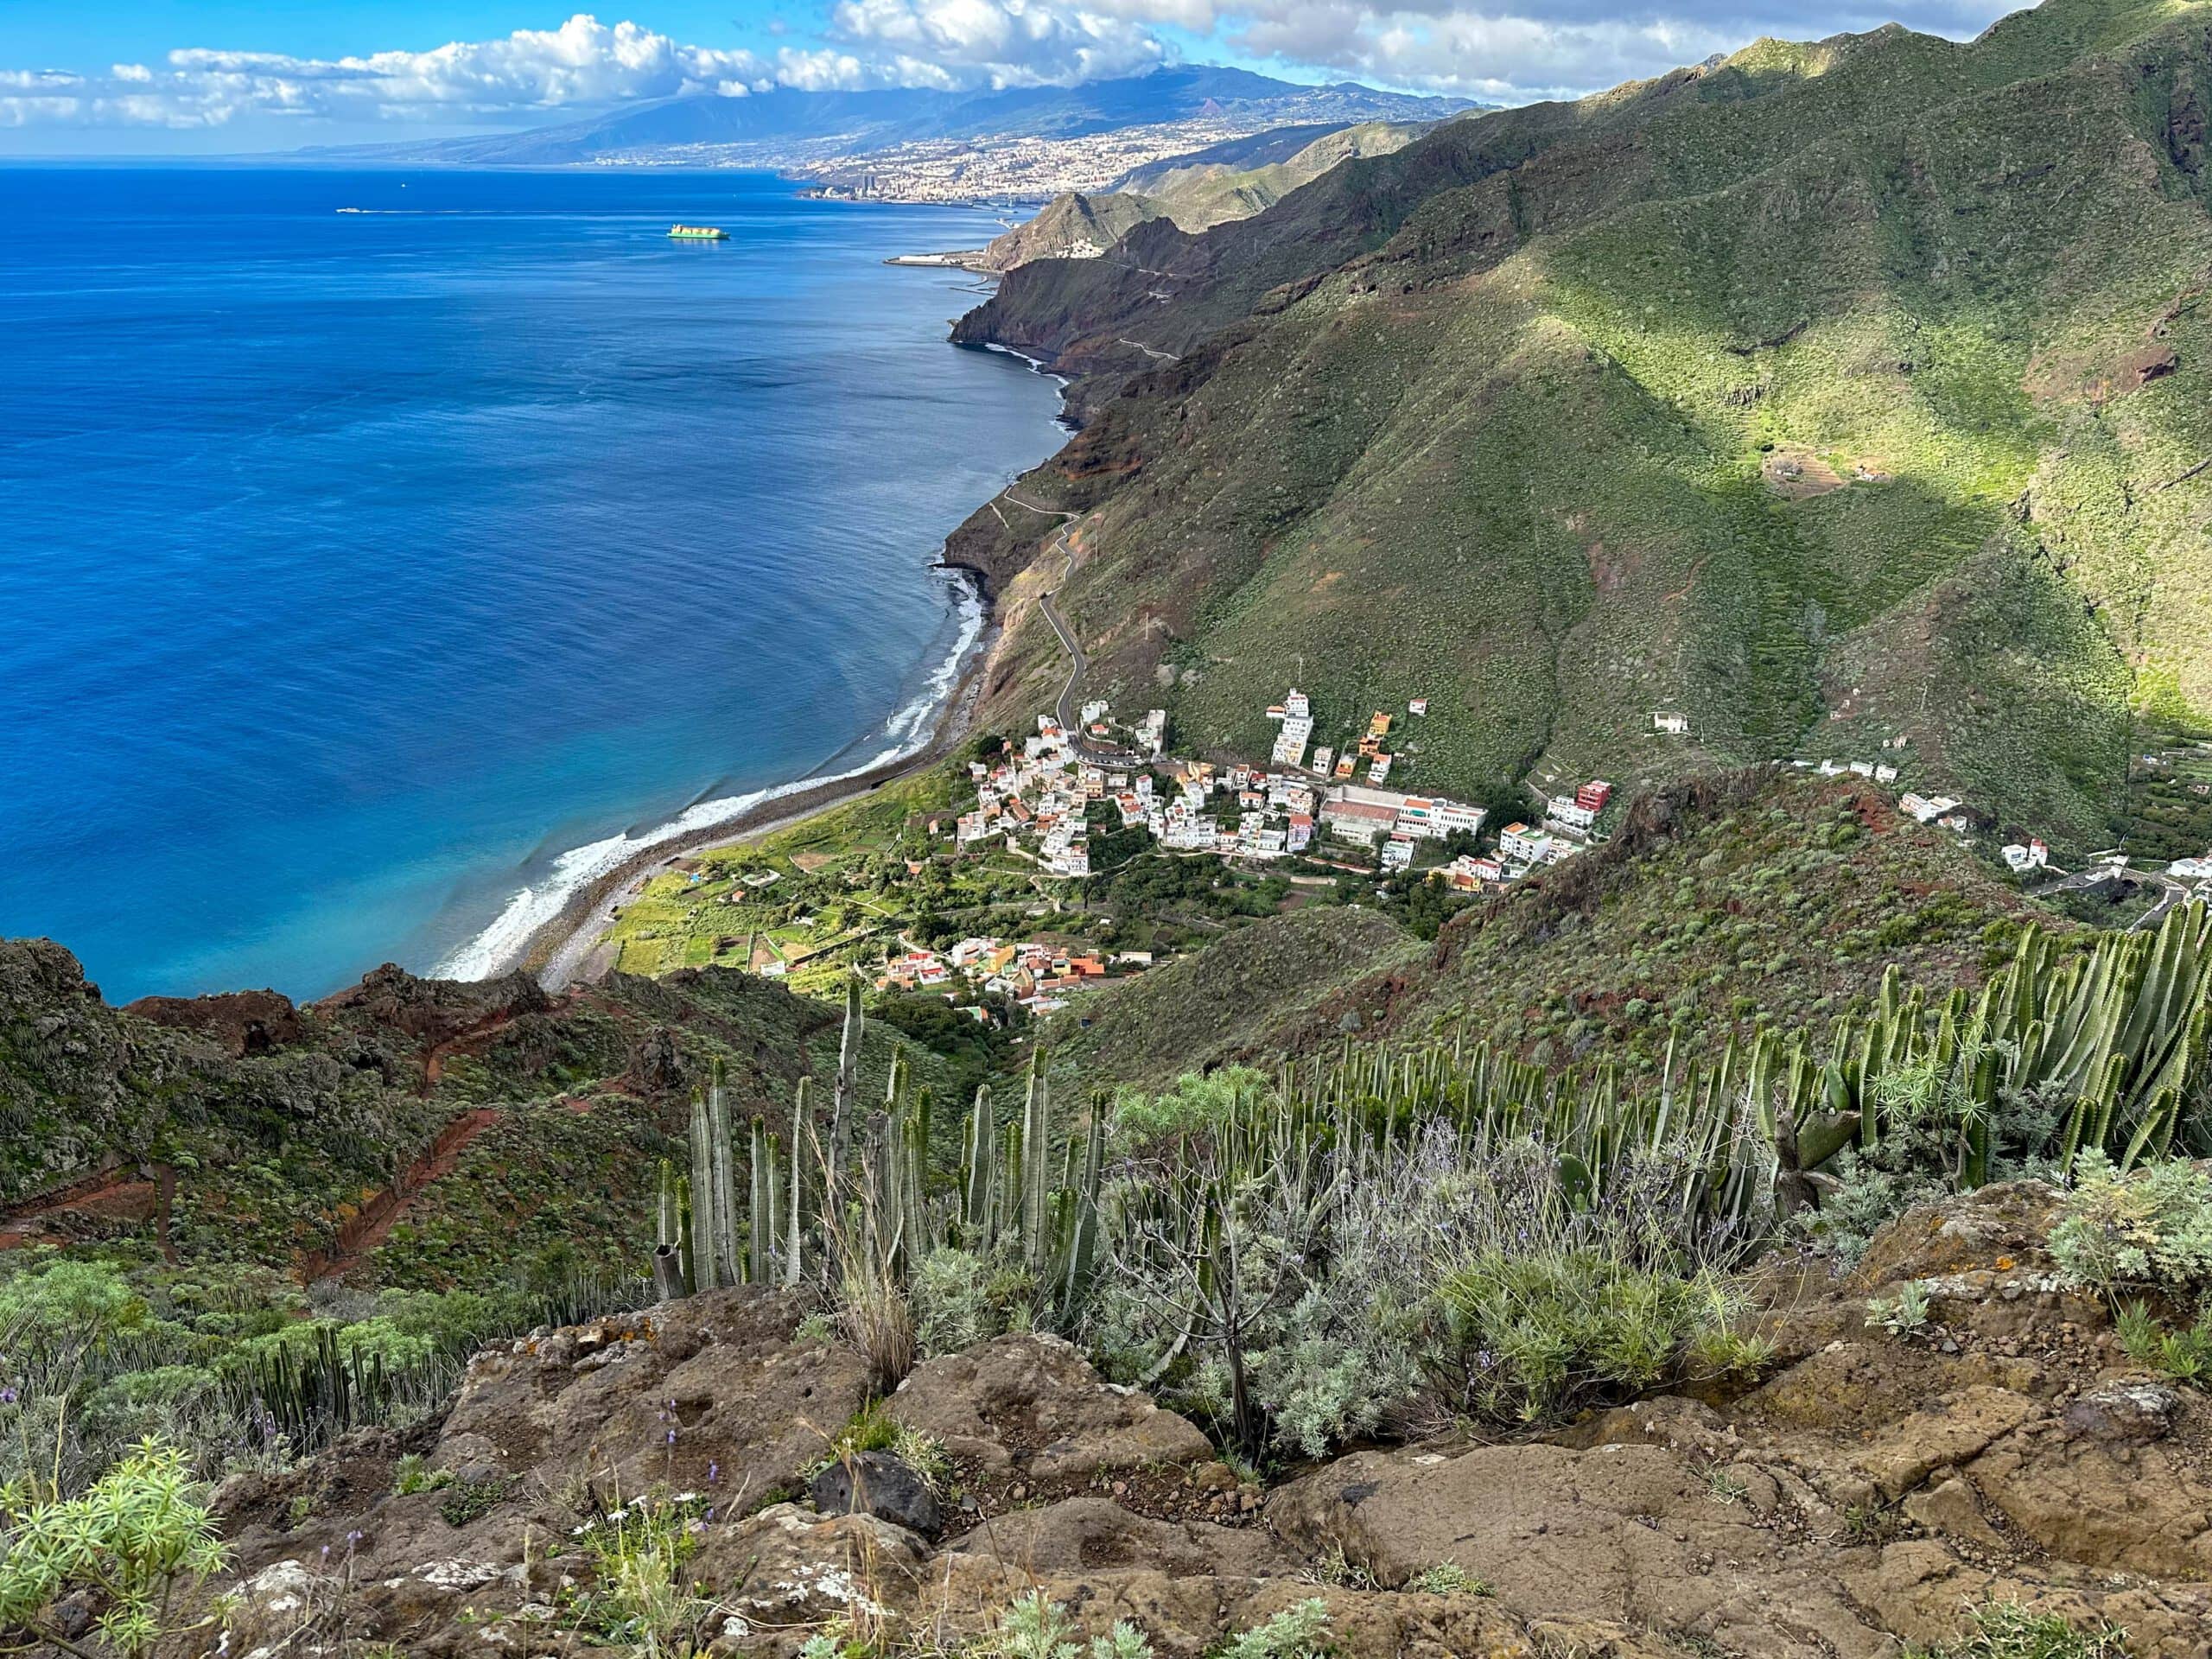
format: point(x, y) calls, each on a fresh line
point(698, 233)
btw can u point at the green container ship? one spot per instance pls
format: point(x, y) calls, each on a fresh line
point(698, 233)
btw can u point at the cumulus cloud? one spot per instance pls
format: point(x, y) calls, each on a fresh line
point(586, 63)
point(1513, 50)
point(582, 62)
point(1509, 50)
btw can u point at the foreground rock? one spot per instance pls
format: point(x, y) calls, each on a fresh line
point(1865, 1496)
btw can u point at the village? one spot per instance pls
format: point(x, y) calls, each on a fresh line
point(1315, 807)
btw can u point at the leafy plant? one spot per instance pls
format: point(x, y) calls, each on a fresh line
point(2185, 1356)
point(2006, 1629)
point(1546, 1332)
point(471, 1500)
point(413, 1474)
point(139, 1538)
point(1035, 1628)
point(1449, 1579)
point(2150, 1230)
point(638, 1595)
point(1904, 1314)
point(1299, 1631)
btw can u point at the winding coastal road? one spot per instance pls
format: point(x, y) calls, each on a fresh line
point(1067, 710)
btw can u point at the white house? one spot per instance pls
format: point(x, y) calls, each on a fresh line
point(1673, 725)
point(1518, 844)
point(1566, 812)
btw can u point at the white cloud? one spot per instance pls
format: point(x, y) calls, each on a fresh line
point(995, 42)
point(1505, 50)
point(1499, 56)
point(582, 62)
point(1517, 49)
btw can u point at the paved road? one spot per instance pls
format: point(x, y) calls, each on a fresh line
point(2171, 892)
point(1067, 710)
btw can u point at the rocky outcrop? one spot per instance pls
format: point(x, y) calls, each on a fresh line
point(240, 1022)
point(1030, 1408)
point(1862, 1496)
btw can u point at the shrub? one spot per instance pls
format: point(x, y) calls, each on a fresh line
point(2006, 1630)
point(961, 1299)
point(139, 1538)
point(2153, 1230)
point(1196, 1105)
point(471, 1500)
point(1449, 1579)
point(1033, 1628)
point(639, 1596)
point(1297, 1632)
point(1902, 1315)
point(2185, 1356)
point(414, 1474)
point(1549, 1330)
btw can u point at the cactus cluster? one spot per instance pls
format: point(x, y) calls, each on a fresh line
point(816, 1212)
point(2111, 1045)
point(2116, 1041)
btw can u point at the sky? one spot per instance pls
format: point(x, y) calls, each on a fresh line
point(201, 77)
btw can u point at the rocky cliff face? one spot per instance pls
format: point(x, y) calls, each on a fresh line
point(1869, 1491)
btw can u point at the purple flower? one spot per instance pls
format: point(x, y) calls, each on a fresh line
point(671, 1436)
point(714, 1472)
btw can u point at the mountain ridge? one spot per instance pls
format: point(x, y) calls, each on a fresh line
point(1757, 391)
point(795, 123)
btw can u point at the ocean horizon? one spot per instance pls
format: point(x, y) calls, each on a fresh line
point(391, 552)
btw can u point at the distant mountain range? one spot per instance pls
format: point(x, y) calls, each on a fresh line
point(791, 126)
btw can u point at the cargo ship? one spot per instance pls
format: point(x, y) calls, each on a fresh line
point(698, 233)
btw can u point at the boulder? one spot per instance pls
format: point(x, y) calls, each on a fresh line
point(880, 1485)
point(712, 1394)
point(1620, 1538)
point(1031, 1407)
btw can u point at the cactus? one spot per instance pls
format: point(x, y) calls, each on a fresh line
point(729, 1263)
point(1036, 1165)
point(803, 1147)
point(760, 1209)
point(668, 1248)
point(701, 1273)
point(844, 1103)
point(975, 1176)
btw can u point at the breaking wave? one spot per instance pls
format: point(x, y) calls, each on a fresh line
point(502, 945)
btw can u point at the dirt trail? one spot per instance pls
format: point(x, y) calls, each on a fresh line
point(369, 1227)
point(433, 1062)
point(120, 1192)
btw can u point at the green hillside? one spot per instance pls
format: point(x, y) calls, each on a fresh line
point(518, 1128)
point(1838, 394)
point(1725, 905)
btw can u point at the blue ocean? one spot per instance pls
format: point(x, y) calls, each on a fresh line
point(383, 553)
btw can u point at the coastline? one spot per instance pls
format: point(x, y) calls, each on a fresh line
point(561, 951)
point(567, 947)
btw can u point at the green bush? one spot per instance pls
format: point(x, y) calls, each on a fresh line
point(2185, 1356)
point(1196, 1105)
point(2006, 1630)
point(139, 1539)
point(2150, 1230)
point(1034, 1627)
point(1547, 1332)
point(1297, 1632)
point(961, 1299)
